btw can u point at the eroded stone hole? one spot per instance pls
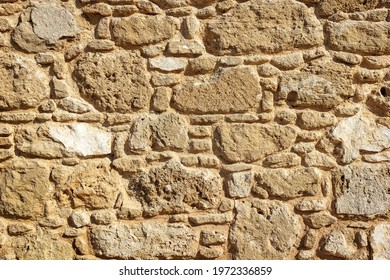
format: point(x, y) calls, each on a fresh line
point(385, 91)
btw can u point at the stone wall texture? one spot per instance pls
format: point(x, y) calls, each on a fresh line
point(194, 129)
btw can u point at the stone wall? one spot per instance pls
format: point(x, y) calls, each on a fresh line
point(194, 129)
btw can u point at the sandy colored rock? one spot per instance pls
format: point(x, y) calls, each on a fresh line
point(329, 7)
point(148, 240)
point(248, 143)
point(380, 242)
point(362, 190)
point(254, 234)
point(141, 29)
point(21, 88)
point(24, 188)
point(267, 26)
point(114, 82)
point(337, 245)
point(173, 188)
point(240, 184)
point(290, 183)
point(316, 120)
point(229, 90)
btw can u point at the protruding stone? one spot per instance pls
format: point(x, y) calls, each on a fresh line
point(380, 242)
point(319, 220)
point(240, 184)
point(337, 245)
point(79, 219)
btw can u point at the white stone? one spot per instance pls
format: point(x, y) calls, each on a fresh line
point(79, 219)
point(240, 184)
point(358, 133)
point(167, 64)
point(82, 139)
point(380, 242)
point(336, 245)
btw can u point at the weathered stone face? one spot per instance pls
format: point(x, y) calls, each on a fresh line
point(264, 230)
point(248, 143)
point(148, 240)
point(141, 29)
point(24, 85)
point(380, 242)
point(263, 26)
point(114, 82)
point(229, 90)
point(24, 189)
point(329, 7)
point(173, 188)
point(362, 190)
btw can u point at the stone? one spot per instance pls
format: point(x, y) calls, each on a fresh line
point(380, 242)
point(190, 27)
point(51, 22)
point(173, 189)
point(114, 82)
point(316, 120)
point(359, 37)
point(24, 85)
point(359, 133)
point(167, 64)
point(90, 184)
point(290, 183)
point(311, 205)
point(378, 157)
point(79, 219)
point(24, 188)
point(185, 48)
point(329, 7)
point(24, 37)
point(320, 160)
point(101, 45)
point(349, 58)
point(229, 90)
point(288, 61)
point(212, 237)
point(211, 219)
point(320, 220)
point(201, 65)
point(74, 105)
point(264, 230)
point(337, 245)
point(18, 229)
point(199, 131)
point(210, 252)
point(251, 142)
point(268, 27)
point(103, 217)
point(282, 160)
point(43, 246)
point(161, 99)
point(362, 190)
point(147, 240)
point(101, 9)
point(141, 29)
point(240, 184)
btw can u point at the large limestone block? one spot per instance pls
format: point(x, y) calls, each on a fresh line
point(24, 189)
point(251, 142)
point(141, 29)
point(263, 26)
point(290, 183)
point(23, 83)
point(360, 36)
point(362, 190)
point(56, 140)
point(264, 230)
point(359, 133)
point(229, 90)
point(114, 82)
point(380, 242)
point(148, 240)
point(173, 188)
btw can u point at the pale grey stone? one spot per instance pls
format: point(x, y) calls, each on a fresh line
point(240, 184)
point(380, 242)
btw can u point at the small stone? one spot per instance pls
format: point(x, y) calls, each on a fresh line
point(44, 59)
point(199, 131)
point(101, 9)
point(212, 237)
point(189, 160)
point(103, 217)
point(185, 48)
point(311, 205)
point(73, 52)
point(303, 148)
point(81, 246)
point(79, 219)
point(286, 117)
point(268, 70)
point(369, 76)
point(349, 58)
point(306, 255)
point(206, 12)
point(51, 222)
point(61, 88)
point(167, 64)
point(310, 239)
point(336, 244)
point(240, 184)
point(101, 45)
point(18, 229)
point(48, 106)
point(289, 61)
point(282, 160)
point(208, 161)
point(226, 205)
point(211, 219)
point(161, 99)
point(201, 65)
point(318, 159)
point(211, 252)
point(148, 7)
point(200, 145)
point(376, 62)
point(362, 238)
point(316, 120)
point(165, 79)
point(178, 219)
point(320, 220)
point(102, 30)
point(74, 105)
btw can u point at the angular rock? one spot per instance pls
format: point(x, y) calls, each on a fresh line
point(212, 237)
point(264, 230)
point(211, 219)
point(148, 240)
point(240, 184)
point(114, 82)
point(141, 29)
point(362, 190)
point(359, 133)
point(329, 7)
point(319, 220)
point(74, 105)
point(79, 219)
point(281, 160)
point(359, 37)
point(316, 120)
point(337, 245)
point(51, 22)
point(229, 90)
point(173, 188)
point(167, 64)
point(251, 142)
point(90, 184)
point(311, 205)
point(380, 242)
point(320, 160)
point(24, 189)
point(24, 84)
point(269, 26)
point(185, 48)
point(290, 183)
